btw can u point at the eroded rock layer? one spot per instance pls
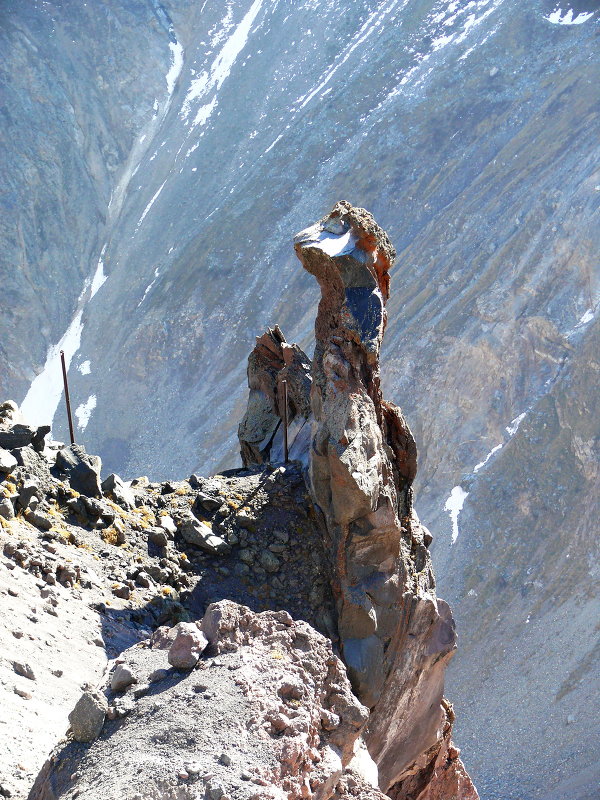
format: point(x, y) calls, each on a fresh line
point(396, 635)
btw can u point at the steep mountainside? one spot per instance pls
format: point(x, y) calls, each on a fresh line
point(156, 159)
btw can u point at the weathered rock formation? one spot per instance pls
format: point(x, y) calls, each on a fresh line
point(396, 635)
point(279, 719)
point(272, 362)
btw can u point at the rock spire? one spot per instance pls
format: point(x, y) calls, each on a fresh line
point(396, 636)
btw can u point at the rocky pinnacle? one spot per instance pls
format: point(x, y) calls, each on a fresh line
point(396, 636)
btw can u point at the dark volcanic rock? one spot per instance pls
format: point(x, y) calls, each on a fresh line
point(81, 470)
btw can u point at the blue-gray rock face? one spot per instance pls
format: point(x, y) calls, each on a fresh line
point(172, 150)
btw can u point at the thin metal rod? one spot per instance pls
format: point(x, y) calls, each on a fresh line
point(285, 422)
point(67, 399)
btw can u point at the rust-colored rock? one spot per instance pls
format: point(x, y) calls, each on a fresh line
point(439, 774)
point(396, 635)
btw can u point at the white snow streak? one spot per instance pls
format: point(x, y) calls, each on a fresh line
point(177, 64)
point(273, 143)
point(150, 285)
point(84, 368)
point(43, 397)
point(373, 21)
point(487, 458)
point(558, 18)
point(220, 68)
point(99, 278)
point(454, 505)
point(84, 412)
point(149, 206)
point(455, 502)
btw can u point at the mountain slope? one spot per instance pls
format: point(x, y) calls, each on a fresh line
point(469, 129)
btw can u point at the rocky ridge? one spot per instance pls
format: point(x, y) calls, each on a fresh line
point(83, 577)
point(301, 624)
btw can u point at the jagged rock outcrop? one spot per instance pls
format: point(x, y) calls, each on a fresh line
point(278, 720)
point(271, 362)
point(15, 432)
point(396, 635)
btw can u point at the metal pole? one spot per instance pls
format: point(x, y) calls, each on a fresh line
point(67, 400)
point(285, 422)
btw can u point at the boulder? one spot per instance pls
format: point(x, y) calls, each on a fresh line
point(15, 432)
point(6, 509)
point(120, 493)
point(168, 524)
point(199, 534)
point(28, 491)
point(158, 536)
point(87, 718)
point(187, 647)
point(37, 519)
point(18, 435)
point(122, 678)
point(7, 461)
point(80, 469)
point(205, 502)
point(9, 412)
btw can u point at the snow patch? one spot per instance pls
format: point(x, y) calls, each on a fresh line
point(587, 317)
point(176, 65)
point(99, 278)
point(335, 245)
point(330, 243)
point(204, 113)
point(84, 368)
point(514, 425)
point(220, 68)
point(454, 505)
point(568, 18)
point(84, 412)
point(43, 397)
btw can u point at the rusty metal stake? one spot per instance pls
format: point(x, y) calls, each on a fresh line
point(285, 422)
point(67, 400)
